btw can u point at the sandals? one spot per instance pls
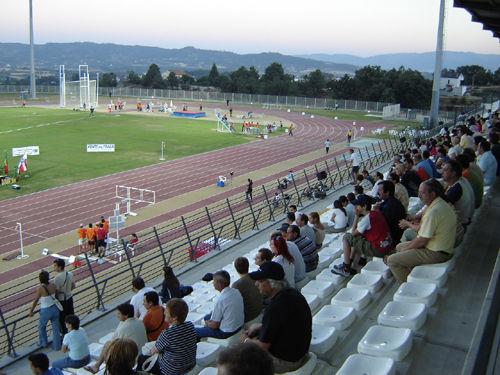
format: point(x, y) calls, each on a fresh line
point(90, 369)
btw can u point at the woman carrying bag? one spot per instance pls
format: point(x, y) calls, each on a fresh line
point(47, 293)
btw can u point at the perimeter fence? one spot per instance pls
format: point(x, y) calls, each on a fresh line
point(267, 101)
point(178, 242)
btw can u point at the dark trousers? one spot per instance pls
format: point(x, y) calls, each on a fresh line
point(67, 310)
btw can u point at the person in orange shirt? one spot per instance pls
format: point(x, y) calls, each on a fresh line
point(91, 238)
point(82, 238)
point(105, 225)
point(154, 320)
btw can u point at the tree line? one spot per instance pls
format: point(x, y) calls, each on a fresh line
point(370, 83)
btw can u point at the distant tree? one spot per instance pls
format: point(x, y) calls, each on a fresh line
point(342, 88)
point(108, 80)
point(153, 75)
point(471, 73)
point(275, 81)
point(212, 76)
point(245, 80)
point(369, 83)
point(496, 77)
point(203, 81)
point(172, 80)
point(412, 90)
point(223, 82)
point(187, 79)
point(75, 76)
point(313, 84)
point(133, 78)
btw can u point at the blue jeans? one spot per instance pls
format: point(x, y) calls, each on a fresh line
point(49, 313)
point(68, 362)
point(212, 332)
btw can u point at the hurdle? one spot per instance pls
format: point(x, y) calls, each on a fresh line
point(137, 195)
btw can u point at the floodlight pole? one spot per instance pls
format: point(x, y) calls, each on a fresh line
point(32, 56)
point(437, 68)
point(162, 146)
point(22, 256)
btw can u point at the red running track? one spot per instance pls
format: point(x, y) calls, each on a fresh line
point(70, 205)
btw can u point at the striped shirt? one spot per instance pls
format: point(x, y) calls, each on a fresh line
point(178, 347)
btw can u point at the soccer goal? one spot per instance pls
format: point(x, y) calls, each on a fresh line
point(78, 94)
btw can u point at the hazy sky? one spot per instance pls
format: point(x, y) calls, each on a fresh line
point(357, 27)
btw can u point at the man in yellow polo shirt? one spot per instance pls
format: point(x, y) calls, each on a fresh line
point(436, 236)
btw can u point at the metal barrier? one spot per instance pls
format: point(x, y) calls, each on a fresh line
point(177, 243)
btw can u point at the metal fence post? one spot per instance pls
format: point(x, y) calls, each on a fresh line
point(99, 297)
point(161, 248)
point(216, 241)
point(128, 258)
point(271, 215)
point(11, 351)
point(192, 252)
point(236, 231)
point(329, 176)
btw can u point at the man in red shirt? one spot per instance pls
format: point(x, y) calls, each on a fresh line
point(370, 236)
point(101, 240)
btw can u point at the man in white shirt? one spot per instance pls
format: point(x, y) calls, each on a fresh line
point(355, 166)
point(228, 315)
point(137, 300)
point(378, 178)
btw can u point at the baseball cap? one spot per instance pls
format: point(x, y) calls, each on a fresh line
point(283, 228)
point(268, 270)
point(362, 200)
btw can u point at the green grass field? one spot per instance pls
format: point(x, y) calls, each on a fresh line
point(62, 136)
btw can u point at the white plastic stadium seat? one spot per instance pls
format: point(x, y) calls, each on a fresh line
point(322, 289)
point(327, 275)
point(364, 364)
point(373, 283)
point(429, 275)
point(308, 367)
point(206, 353)
point(403, 315)
point(355, 298)
point(323, 339)
point(195, 317)
point(335, 316)
point(333, 252)
point(376, 268)
point(449, 265)
point(324, 260)
point(95, 350)
point(230, 341)
point(103, 340)
point(312, 300)
point(208, 371)
point(417, 293)
point(388, 342)
point(248, 324)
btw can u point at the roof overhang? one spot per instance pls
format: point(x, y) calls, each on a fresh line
point(486, 12)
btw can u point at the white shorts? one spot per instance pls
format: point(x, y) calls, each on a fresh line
point(82, 241)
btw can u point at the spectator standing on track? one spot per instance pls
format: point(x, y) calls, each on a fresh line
point(65, 283)
point(249, 190)
point(355, 166)
point(327, 145)
point(82, 239)
point(290, 132)
point(349, 136)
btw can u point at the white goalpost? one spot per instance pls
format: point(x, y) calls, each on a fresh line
point(78, 93)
